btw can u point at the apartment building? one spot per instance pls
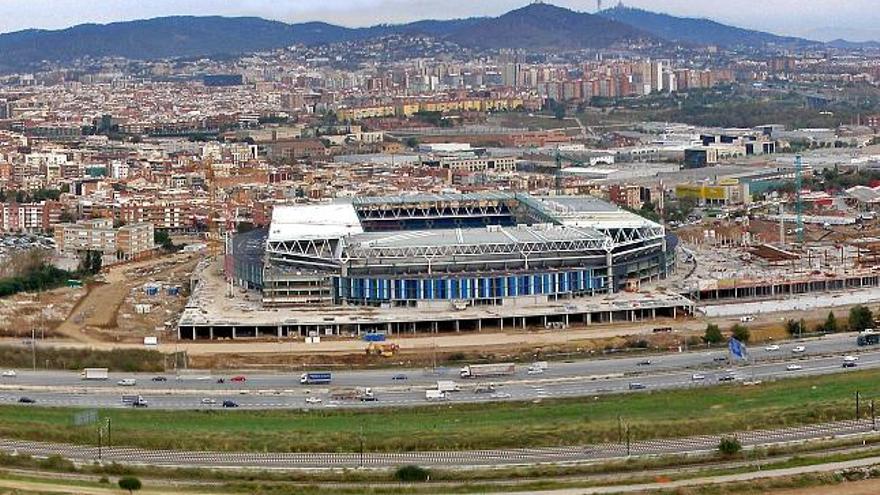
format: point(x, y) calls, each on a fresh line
point(29, 217)
point(129, 242)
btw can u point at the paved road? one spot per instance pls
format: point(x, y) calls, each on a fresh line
point(468, 458)
point(564, 379)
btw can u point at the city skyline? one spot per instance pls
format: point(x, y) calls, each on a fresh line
point(821, 20)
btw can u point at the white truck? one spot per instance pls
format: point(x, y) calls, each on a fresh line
point(447, 386)
point(434, 394)
point(487, 370)
point(95, 374)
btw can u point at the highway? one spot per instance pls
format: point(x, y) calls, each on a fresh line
point(561, 379)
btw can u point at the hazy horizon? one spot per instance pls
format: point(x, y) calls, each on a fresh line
point(823, 20)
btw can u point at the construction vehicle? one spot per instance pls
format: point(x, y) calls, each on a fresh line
point(382, 349)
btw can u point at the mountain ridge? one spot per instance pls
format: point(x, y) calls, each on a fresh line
point(539, 26)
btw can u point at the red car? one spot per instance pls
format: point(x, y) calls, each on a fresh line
point(237, 379)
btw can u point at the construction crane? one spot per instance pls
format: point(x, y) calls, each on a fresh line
point(798, 184)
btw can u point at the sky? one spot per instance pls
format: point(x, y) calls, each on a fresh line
point(856, 20)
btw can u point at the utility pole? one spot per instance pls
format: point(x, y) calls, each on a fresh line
point(100, 441)
point(34, 347)
point(108, 432)
point(873, 417)
point(627, 440)
point(858, 397)
point(362, 446)
point(619, 430)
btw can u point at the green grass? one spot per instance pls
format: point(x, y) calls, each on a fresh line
point(464, 426)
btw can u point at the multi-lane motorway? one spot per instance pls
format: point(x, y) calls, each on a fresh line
point(562, 379)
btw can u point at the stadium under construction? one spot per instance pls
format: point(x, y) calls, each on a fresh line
point(441, 263)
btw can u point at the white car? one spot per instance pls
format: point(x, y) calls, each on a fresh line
point(500, 395)
point(846, 359)
point(772, 348)
point(209, 401)
point(127, 382)
point(9, 374)
point(535, 371)
point(793, 367)
point(698, 377)
point(313, 400)
point(799, 349)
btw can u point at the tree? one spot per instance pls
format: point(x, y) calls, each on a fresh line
point(90, 262)
point(830, 325)
point(162, 238)
point(740, 333)
point(729, 446)
point(713, 334)
point(860, 318)
point(130, 483)
point(794, 327)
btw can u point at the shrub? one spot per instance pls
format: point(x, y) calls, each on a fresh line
point(411, 474)
point(57, 463)
point(741, 333)
point(130, 483)
point(729, 446)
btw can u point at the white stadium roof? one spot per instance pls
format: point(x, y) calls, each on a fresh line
point(306, 222)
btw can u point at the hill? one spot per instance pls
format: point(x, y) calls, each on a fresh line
point(164, 37)
point(545, 26)
point(695, 31)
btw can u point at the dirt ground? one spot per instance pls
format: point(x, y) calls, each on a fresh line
point(107, 313)
point(867, 487)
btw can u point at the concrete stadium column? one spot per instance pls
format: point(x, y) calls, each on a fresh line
point(436, 326)
point(524, 322)
point(502, 324)
point(479, 325)
point(588, 318)
point(210, 333)
point(233, 333)
point(566, 321)
point(279, 331)
point(194, 332)
point(632, 315)
point(389, 329)
point(611, 316)
point(653, 313)
point(609, 260)
point(457, 326)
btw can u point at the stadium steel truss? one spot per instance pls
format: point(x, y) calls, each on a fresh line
point(473, 247)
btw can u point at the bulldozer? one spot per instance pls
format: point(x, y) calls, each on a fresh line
point(380, 349)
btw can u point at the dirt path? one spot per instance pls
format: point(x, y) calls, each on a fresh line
point(19, 486)
point(735, 479)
